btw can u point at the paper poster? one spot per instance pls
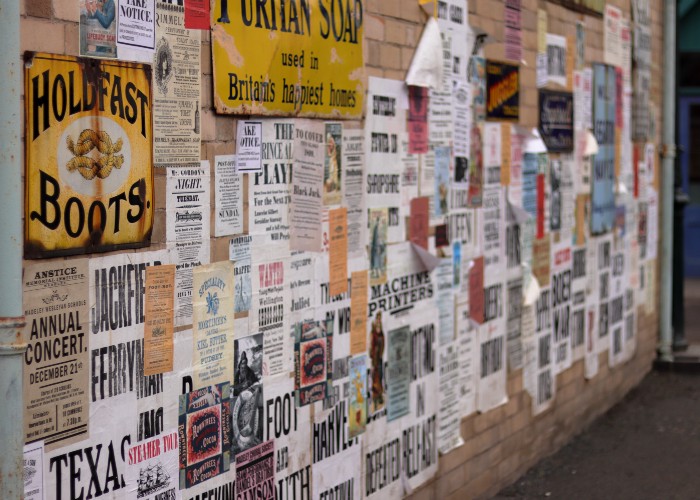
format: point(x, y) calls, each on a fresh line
point(604, 261)
point(358, 310)
point(583, 99)
point(136, 28)
point(462, 115)
point(153, 467)
point(398, 375)
point(641, 121)
point(239, 253)
point(188, 229)
point(247, 408)
point(339, 477)
point(417, 120)
point(269, 191)
point(556, 120)
point(603, 183)
point(307, 186)
point(255, 471)
point(338, 223)
point(88, 178)
point(541, 260)
point(442, 179)
point(313, 361)
point(556, 59)
point(503, 91)
point(176, 90)
point(514, 303)
point(467, 336)
point(440, 124)
point(544, 388)
point(491, 386)
point(204, 434)
point(494, 232)
point(159, 325)
point(212, 325)
point(248, 146)
point(228, 185)
point(476, 168)
point(291, 429)
point(197, 16)
point(420, 221)
point(476, 290)
point(450, 411)
point(477, 77)
point(98, 28)
point(353, 161)
point(55, 381)
point(357, 399)
point(377, 341)
point(378, 230)
point(579, 292)
point(612, 41)
point(269, 314)
point(492, 151)
point(33, 471)
point(560, 290)
point(513, 30)
point(333, 164)
point(384, 126)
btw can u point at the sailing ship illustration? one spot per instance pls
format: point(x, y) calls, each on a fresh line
point(152, 479)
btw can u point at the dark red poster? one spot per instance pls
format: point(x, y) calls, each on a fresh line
point(417, 120)
point(476, 290)
point(420, 221)
point(197, 14)
point(540, 205)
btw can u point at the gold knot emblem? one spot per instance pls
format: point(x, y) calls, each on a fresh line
point(90, 167)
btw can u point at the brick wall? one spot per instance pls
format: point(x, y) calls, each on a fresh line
point(502, 444)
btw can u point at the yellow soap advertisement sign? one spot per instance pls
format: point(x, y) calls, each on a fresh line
point(89, 156)
point(288, 57)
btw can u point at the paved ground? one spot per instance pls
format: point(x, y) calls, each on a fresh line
point(646, 447)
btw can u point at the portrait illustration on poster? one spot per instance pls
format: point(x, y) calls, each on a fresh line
point(332, 164)
point(357, 399)
point(98, 28)
point(376, 354)
point(476, 168)
point(247, 412)
point(378, 227)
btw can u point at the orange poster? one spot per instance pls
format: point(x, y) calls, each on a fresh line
point(358, 312)
point(159, 323)
point(338, 224)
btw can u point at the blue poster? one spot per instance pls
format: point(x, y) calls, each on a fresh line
point(603, 183)
point(530, 170)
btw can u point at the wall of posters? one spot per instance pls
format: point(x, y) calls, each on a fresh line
point(94, 189)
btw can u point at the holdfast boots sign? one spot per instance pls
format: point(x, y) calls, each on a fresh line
point(89, 175)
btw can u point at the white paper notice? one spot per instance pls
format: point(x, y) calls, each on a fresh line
point(188, 230)
point(353, 194)
point(306, 208)
point(33, 468)
point(249, 147)
point(229, 197)
point(136, 30)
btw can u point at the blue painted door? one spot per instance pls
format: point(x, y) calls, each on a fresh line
point(689, 141)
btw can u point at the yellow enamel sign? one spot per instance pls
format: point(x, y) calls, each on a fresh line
point(288, 57)
point(89, 174)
